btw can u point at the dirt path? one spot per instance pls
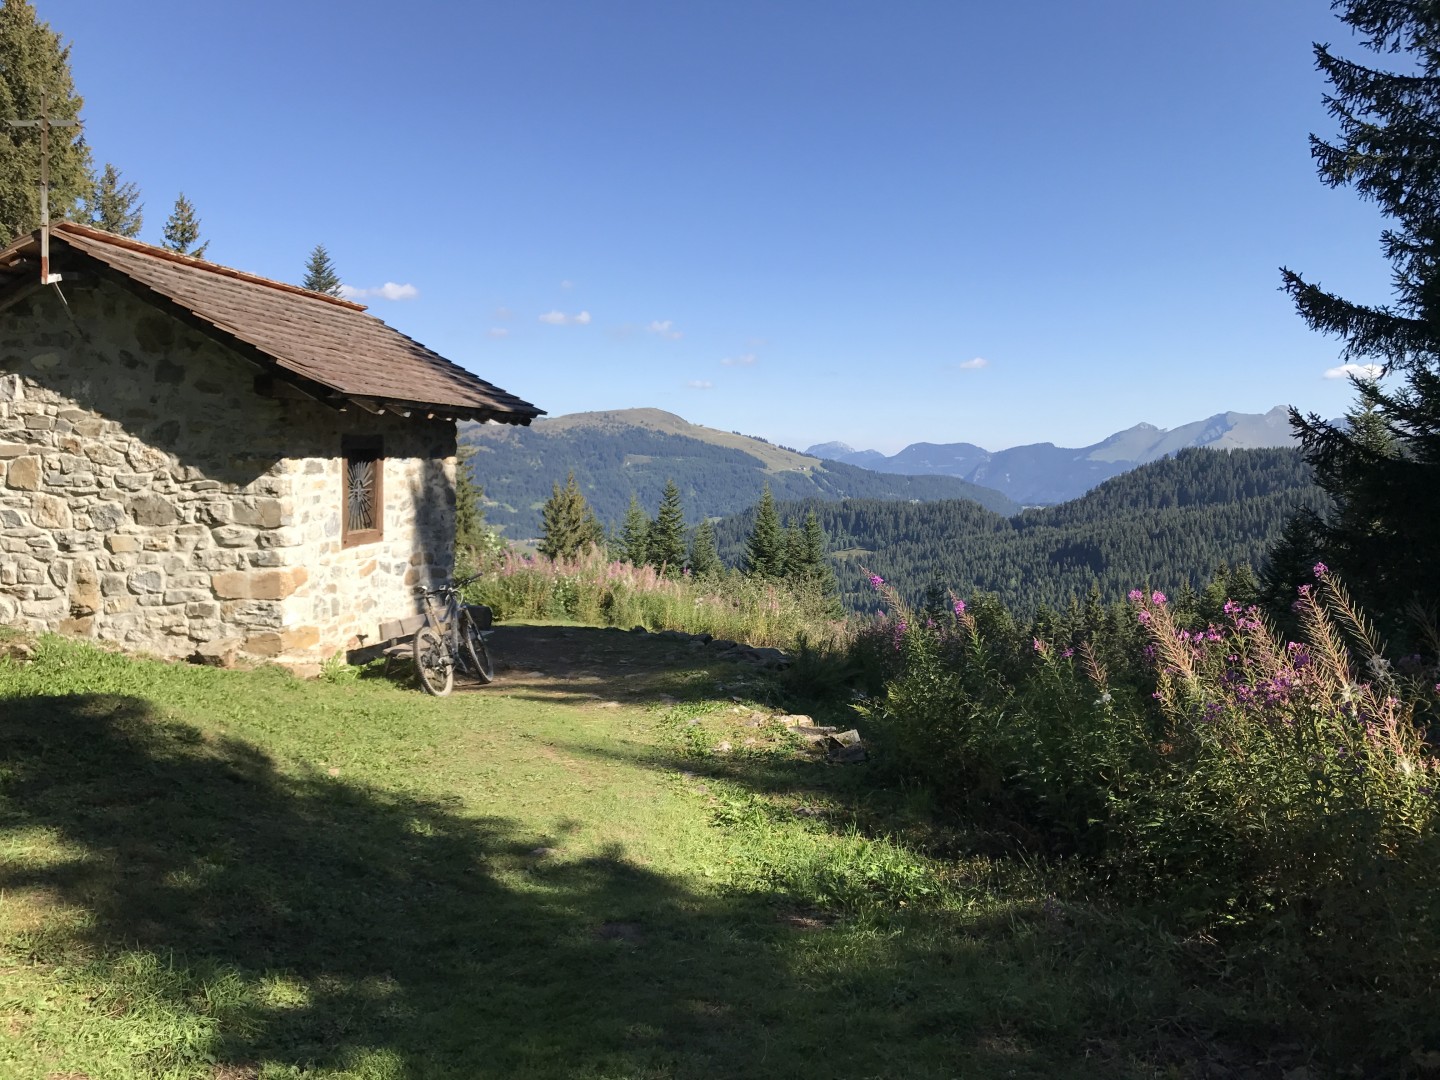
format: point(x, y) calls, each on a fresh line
point(600, 664)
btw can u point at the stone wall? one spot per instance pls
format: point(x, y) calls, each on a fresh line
point(150, 497)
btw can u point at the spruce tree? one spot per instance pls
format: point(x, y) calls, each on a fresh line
point(704, 561)
point(320, 274)
point(765, 554)
point(794, 552)
point(182, 230)
point(469, 517)
point(814, 569)
point(666, 546)
point(568, 524)
point(1384, 534)
point(113, 206)
point(34, 65)
point(635, 534)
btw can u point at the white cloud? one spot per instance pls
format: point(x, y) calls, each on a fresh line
point(559, 318)
point(389, 291)
point(700, 384)
point(975, 364)
point(1370, 372)
point(567, 284)
point(744, 360)
point(498, 332)
point(665, 329)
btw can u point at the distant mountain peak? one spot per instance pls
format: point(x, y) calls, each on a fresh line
point(1045, 473)
point(830, 450)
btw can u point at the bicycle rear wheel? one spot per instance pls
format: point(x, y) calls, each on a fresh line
point(473, 652)
point(432, 663)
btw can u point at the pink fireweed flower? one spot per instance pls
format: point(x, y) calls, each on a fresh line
point(1143, 616)
point(959, 606)
point(1136, 596)
point(1232, 607)
point(876, 581)
point(1037, 644)
point(1321, 569)
point(1157, 597)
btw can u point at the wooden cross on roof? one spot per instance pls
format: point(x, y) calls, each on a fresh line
point(44, 123)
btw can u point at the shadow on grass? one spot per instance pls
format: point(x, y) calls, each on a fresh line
point(319, 923)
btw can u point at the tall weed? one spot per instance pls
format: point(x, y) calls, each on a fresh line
point(1275, 797)
point(596, 590)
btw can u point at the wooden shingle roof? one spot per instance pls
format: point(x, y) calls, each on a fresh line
point(329, 347)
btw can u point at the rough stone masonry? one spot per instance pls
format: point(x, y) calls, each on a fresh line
point(149, 496)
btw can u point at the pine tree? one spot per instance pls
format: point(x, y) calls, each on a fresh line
point(568, 523)
point(704, 561)
point(794, 552)
point(666, 547)
point(1384, 534)
point(320, 274)
point(807, 570)
point(813, 568)
point(35, 65)
point(113, 206)
point(469, 517)
point(182, 230)
point(635, 534)
point(765, 548)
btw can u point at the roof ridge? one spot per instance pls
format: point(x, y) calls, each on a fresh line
point(200, 264)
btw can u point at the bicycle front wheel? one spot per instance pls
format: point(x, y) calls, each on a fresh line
point(432, 663)
point(473, 651)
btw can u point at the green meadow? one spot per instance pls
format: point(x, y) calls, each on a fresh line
point(610, 863)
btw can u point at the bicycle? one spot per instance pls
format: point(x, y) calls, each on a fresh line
point(450, 638)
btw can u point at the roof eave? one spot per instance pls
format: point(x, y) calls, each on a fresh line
point(432, 410)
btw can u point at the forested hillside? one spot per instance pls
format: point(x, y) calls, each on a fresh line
point(1165, 524)
point(518, 466)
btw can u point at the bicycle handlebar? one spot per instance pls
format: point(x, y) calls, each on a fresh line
point(440, 590)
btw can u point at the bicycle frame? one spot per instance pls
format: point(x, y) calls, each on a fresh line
point(447, 627)
point(450, 640)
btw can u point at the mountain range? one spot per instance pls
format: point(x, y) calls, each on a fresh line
point(635, 451)
point(1043, 473)
point(619, 452)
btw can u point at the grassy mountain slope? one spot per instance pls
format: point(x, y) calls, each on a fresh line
point(636, 450)
point(775, 458)
point(1166, 524)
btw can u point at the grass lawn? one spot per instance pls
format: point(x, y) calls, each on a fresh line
point(226, 875)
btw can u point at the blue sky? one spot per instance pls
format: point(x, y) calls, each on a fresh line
point(874, 222)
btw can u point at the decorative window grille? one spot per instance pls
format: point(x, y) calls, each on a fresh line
point(362, 510)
